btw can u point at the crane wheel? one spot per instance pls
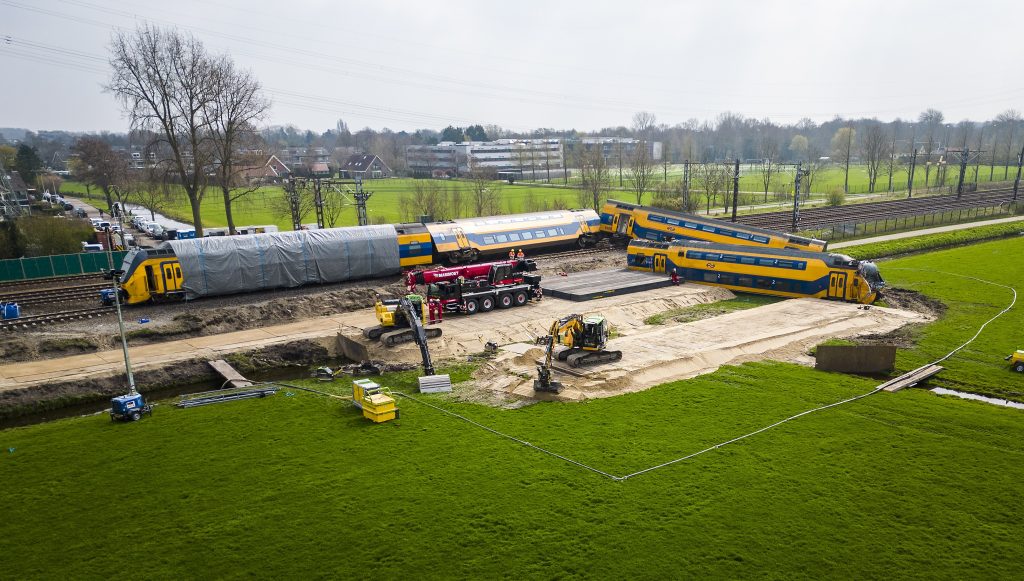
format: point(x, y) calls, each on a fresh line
point(520, 298)
point(486, 304)
point(505, 301)
point(472, 307)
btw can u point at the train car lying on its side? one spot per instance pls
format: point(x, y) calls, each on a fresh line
point(770, 271)
point(221, 265)
point(466, 239)
point(644, 223)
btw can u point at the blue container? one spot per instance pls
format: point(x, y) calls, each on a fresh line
point(125, 404)
point(11, 311)
point(186, 234)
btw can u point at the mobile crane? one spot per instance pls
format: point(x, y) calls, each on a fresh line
point(586, 339)
point(478, 288)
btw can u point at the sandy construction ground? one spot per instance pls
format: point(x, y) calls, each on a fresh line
point(652, 354)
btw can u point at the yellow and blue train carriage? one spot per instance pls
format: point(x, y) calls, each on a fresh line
point(658, 225)
point(415, 245)
point(770, 271)
point(466, 239)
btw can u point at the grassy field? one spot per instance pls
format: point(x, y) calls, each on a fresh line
point(264, 206)
point(905, 485)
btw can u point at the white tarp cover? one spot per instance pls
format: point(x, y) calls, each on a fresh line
point(221, 265)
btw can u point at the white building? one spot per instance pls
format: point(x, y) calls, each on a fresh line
point(530, 158)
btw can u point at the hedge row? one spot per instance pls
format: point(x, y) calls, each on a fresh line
point(934, 241)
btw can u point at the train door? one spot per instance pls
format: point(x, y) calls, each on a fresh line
point(584, 227)
point(461, 239)
point(151, 280)
point(623, 224)
point(171, 273)
point(659, 262)
point(837, 285)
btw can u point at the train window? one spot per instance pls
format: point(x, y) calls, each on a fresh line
point(514, 237)
point(691, 225)
point(729, 258)
point(502, 238)
point(673, 222)
point(747, 260)
point(784, 264)
point(177, 271)
point(726, 279)
point(527, 236)
point(765, 283)
point(440, 237)
point(767, 262)
point(710, 277)
point(712, 256)
point(552, 232)
point(745, 281)
point(743, 236)
point(539, 233)
point(708, 228)
point(488, 239)
point(695, 255)
point(761, 239)
point(682, 254)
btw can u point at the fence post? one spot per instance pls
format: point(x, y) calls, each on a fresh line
point(21, 261)
point(81, 266)
point(53, 270)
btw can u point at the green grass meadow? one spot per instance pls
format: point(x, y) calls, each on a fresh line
point(904, 485)
point(264, 207)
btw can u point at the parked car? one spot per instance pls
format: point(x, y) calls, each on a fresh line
point(81, 213)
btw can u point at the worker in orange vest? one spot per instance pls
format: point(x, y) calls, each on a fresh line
point(521, 255)
point(511, 254)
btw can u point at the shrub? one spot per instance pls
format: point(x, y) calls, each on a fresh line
point(835, 197)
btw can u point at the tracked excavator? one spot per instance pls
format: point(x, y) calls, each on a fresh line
point(406, 317)
point(585, 339)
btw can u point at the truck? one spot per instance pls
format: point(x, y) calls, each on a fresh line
point(481, 287)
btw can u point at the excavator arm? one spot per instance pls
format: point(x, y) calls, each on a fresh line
point(419, 332)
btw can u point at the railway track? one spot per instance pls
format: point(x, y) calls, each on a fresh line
point(53, 295)
point(820, 218)
point(571, 253)
point(39, 320)
point(49, 282)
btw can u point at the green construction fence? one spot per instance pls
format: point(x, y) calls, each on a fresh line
point(57, 265)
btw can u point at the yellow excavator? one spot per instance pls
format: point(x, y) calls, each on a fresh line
point(585, 339)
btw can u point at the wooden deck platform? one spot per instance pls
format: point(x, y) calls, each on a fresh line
point(912, 378)
point(586, 286)
point(232, 377)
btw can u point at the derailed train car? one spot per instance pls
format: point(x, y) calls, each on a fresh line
point(778, 272)
point(188, 269)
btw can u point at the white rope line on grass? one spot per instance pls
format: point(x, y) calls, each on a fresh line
point(738, 438)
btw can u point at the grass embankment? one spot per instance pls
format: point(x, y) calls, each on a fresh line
point(708, 310)
point(895, 485)
point(933, 241)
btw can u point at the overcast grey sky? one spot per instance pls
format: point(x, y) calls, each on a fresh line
point(525, 64)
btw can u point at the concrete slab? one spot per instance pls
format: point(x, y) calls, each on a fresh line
point(587, 286)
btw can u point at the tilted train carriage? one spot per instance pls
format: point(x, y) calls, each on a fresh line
point(659, 225)
point(234, 264)
point(770, 271)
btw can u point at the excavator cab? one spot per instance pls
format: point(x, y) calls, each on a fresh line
point(594, 334)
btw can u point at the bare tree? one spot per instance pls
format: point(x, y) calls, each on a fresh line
point(154, 192)
point(594, 176)
point(1008, 120)
point(769, 151)
point(238, 104)
point(333, 204)
point(932, 121)
point(97, 164)
point(815, 163)
point(891, 164)
point(485, 192)
point(162, 79)
point(641, 171)
point(643, 122)
point(842, 148)
point(873, 150)
point(712, 178)
point(798, 147)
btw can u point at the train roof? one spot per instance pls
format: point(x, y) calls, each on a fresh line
point(830, 257)
point(711, 221)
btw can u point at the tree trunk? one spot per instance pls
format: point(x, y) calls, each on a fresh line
point(110, 199)
point(227, 210)
point(197, 218)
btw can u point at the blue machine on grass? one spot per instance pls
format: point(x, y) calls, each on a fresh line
point(129, 408)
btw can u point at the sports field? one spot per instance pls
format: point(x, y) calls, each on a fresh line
point(905, 485)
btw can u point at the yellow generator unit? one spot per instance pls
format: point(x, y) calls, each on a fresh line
point(376, 405)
